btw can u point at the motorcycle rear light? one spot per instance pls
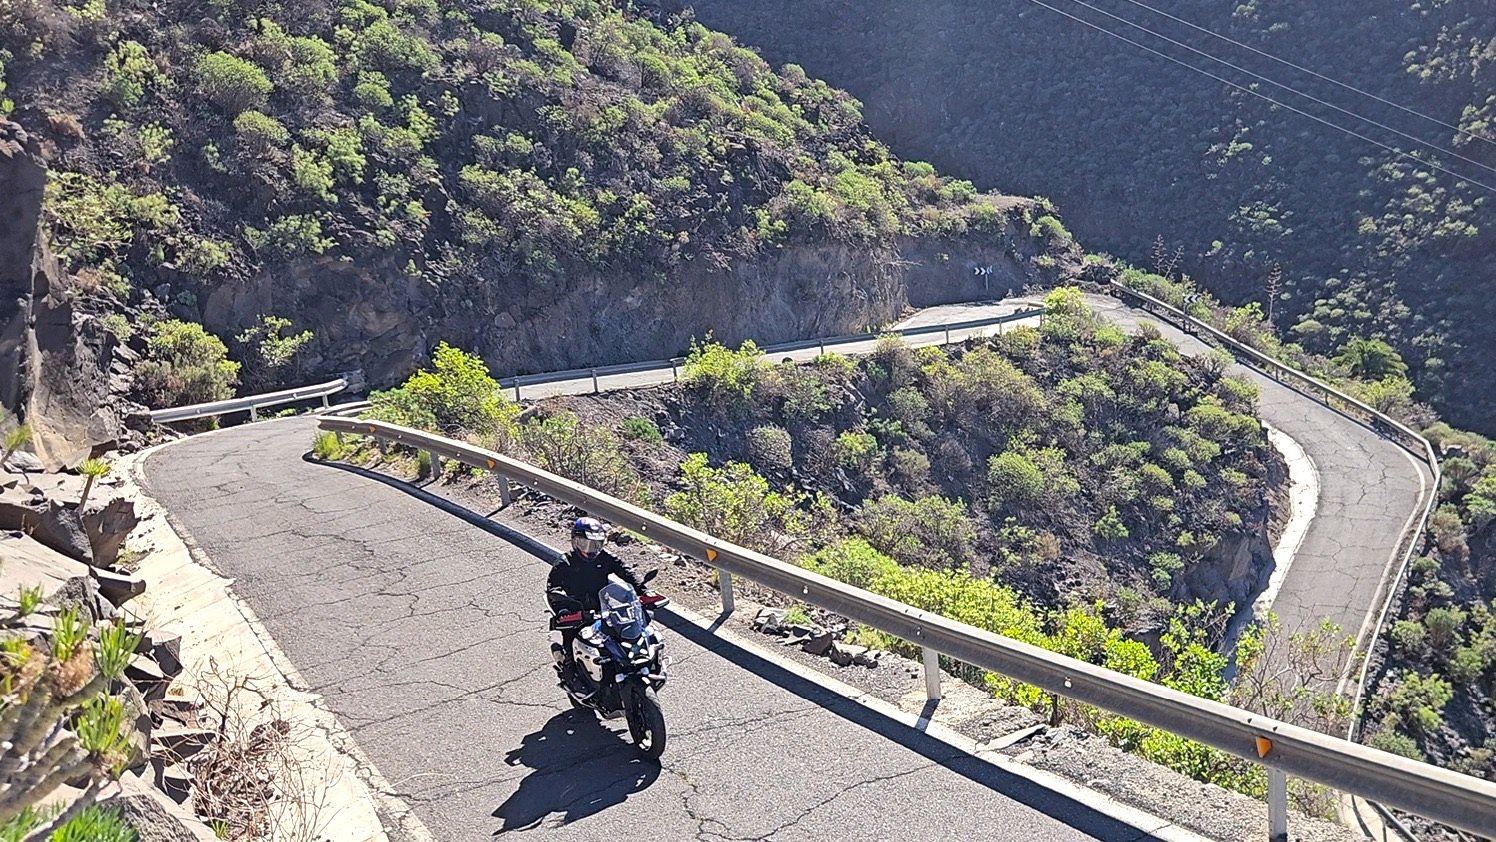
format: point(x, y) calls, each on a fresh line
point(573, 617)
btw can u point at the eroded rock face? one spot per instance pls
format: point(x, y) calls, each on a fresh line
point(54, 361)
point(371, 315)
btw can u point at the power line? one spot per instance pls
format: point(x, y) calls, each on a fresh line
point(1313, 73)
point(1314, 99)
point(1397, 152)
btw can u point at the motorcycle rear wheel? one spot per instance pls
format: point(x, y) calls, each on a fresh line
point(646, 720)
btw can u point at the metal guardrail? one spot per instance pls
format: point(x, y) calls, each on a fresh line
point(252, 403)
point(1454, 799)
point(673, 363)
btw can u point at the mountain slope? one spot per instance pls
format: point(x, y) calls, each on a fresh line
point(1135, 148)
point(550, 183)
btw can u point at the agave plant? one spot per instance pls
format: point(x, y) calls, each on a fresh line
point(92, 470)
point(59, 723)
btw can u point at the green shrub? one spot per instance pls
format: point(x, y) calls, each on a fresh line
point(202, 257)
point(590, 455)
point(289, 236)
point(1163, 567)
point(930, 531)
point(1410, 637)
point(855, 450)
point(734, 503)
point(259, 131)
point(1051, 229)
point(724, 376)
point(769, 448)
point(270, 353)
point(230, 82)
point(1419, 700)
point(1443, 626)
point(638, 428)
point(313, 173)
point(1110, 526)
point(909, 467)
point(456, 396)
point(1388, 739)
point(184, 364)
point(911, 410)
point(326, 446)
point(128, 73)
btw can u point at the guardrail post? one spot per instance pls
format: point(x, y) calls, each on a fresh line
point(674, 373)
point(724, 584)
point(325, 404)
point(254, 413)
point(1277, 805)
point(506, 493)
point(947, 336)
point(595, 389)
point(823, 347)
point(932, 674)
point(433, 464)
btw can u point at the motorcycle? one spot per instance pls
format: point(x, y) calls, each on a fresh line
point(620, 660)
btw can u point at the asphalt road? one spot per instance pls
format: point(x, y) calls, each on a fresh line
point(425, 633)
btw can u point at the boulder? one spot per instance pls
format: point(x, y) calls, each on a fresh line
point(118, 588)
point(107, 526)
point(48, 521)
point(147, 675)
point(769, 621)
point(165, 650)
point(22, 462)
point(846, 654)
point(173, 779)
point(176, 742)
point(24, 562)
point(154, 817)
point(817, 644)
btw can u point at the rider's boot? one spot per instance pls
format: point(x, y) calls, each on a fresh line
point(569, 674)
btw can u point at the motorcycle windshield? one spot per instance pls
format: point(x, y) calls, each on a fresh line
point(621, 610)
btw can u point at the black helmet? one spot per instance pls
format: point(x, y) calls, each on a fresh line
point(587, 536)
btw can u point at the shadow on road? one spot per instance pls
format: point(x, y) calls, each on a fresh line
point(580, 768)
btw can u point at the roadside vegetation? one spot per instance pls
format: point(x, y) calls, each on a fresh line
point(63, 719)
point(1055, 485)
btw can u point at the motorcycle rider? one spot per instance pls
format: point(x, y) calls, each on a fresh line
point(573, 585)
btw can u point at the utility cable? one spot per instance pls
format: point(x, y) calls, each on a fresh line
point(1302, 69)
point(1397, 152)
point(1314, 99)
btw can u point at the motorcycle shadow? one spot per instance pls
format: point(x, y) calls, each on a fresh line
point(579, 768)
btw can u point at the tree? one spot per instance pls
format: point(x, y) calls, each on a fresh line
point(1370, 359)
point(456, 395)
point(184, 364)
point(270, 355)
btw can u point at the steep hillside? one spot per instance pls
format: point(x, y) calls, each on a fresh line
point(1134, 148)
point(549, 182)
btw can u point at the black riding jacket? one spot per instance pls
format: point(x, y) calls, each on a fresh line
point(577, 578)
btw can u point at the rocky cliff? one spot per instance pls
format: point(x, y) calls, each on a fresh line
point(55, 376)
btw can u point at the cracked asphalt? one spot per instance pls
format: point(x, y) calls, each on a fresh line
point(425, 634)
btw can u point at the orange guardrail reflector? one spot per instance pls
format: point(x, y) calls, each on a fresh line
point(490, 464)
point(711, 554)
point(1264, 745)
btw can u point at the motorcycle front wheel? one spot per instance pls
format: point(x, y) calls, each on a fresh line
point(646, 720)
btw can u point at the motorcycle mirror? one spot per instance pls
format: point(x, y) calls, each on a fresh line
point(650, 575)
